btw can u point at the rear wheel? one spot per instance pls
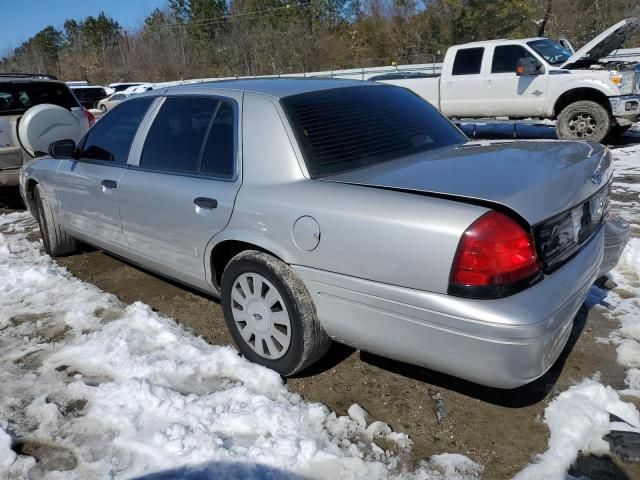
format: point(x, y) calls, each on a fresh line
point(56, 240)
point(583, 120)
point(270, 313)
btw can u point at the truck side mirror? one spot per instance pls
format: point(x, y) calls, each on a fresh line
point(62, 149)
point(529, 66)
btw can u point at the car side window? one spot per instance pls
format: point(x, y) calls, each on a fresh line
point(110, 139)
point(191, 135)
point(117, 97)
point(218, 157)
point(468, 61)
point(505, 58)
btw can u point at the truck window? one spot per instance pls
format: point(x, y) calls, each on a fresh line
point(468, 61)
point(505, 58)
point(347, 128)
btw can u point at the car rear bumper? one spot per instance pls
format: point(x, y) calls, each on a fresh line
point(503, 343)
point(10, 177)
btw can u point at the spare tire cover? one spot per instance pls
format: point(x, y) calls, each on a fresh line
point(47, 123)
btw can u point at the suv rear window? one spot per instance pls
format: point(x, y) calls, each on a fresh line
point(17, 98)
point(348, 128)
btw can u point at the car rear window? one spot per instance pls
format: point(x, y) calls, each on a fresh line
point(348, 128)
point(17, 98)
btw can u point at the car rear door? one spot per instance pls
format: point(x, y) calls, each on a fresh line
point(506, 93)
point(181, 188)
point(461, 93)
point(87, 187)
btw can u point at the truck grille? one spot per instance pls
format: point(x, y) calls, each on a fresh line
point(560, 237)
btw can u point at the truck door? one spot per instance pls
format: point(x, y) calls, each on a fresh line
point(509, 95)
point(461, 84)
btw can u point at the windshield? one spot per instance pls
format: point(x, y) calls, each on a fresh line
point(553, 52)
point(343, 129)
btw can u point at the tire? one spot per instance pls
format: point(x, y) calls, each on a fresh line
point(56, 240)
point(583, 120)
point(271, 294)
point(103, 108)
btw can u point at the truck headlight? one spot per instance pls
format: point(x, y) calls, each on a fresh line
point(625, 81)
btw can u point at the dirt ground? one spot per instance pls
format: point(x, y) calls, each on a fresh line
point(502, 430)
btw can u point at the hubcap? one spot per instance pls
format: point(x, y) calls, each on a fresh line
point(582, 125)
point(261, 315)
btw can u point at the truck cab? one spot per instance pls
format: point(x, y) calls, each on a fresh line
point(538, 77)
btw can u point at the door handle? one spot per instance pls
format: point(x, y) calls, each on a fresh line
point(110, 184)
point(204, 202)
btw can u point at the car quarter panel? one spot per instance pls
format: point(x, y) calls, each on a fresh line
point(391, 237)
point(510, 341)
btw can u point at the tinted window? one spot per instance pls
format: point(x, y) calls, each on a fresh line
point(468, 61)
point(190, 132)
point(110, 139)
point(348, 128)
point(16, 98)
point(505, 58)
point(218, 153)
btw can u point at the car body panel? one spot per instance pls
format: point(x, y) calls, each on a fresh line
point(87, 209)
point(535, 179)
point(379, 271)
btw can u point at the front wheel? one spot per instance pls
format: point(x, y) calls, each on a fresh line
point(583, 120)
point(56, 240)
point(103, 107)
point(270, 313)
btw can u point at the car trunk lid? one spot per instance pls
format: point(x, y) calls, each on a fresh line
point(535, 179)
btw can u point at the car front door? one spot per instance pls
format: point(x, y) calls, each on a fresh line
point(510, 95)
point(181, 189)
point(87, 187)
point(461, 87)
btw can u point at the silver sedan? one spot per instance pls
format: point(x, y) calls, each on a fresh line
point(321, 210)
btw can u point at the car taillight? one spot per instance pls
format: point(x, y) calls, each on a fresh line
point(496, 257)
point(89, 116)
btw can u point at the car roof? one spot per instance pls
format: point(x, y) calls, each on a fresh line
point(25, 79)
point(272, 87)
point(483, 43)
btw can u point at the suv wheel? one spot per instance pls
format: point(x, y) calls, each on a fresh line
point(56, 240)
point(583, 120)
point(270, 313)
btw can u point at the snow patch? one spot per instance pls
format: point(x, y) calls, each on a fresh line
point(129, 392)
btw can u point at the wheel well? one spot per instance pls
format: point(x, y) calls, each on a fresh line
point(578, 94)
point(225, 251)
point(31, 189)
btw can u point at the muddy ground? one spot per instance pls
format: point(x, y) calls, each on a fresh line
point(502, 430)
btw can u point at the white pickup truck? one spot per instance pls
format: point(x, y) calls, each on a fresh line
point(588, 96)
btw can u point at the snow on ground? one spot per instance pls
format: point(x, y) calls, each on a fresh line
point(110, 390)
point(579, 417)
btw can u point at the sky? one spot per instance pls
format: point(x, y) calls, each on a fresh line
point(21, 19)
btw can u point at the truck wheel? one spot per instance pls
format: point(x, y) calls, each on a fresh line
point(583, 120)
point(56, 240)
point(270, 313)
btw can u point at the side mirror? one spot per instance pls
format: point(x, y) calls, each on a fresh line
point(529, 66)
point(62, 149)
